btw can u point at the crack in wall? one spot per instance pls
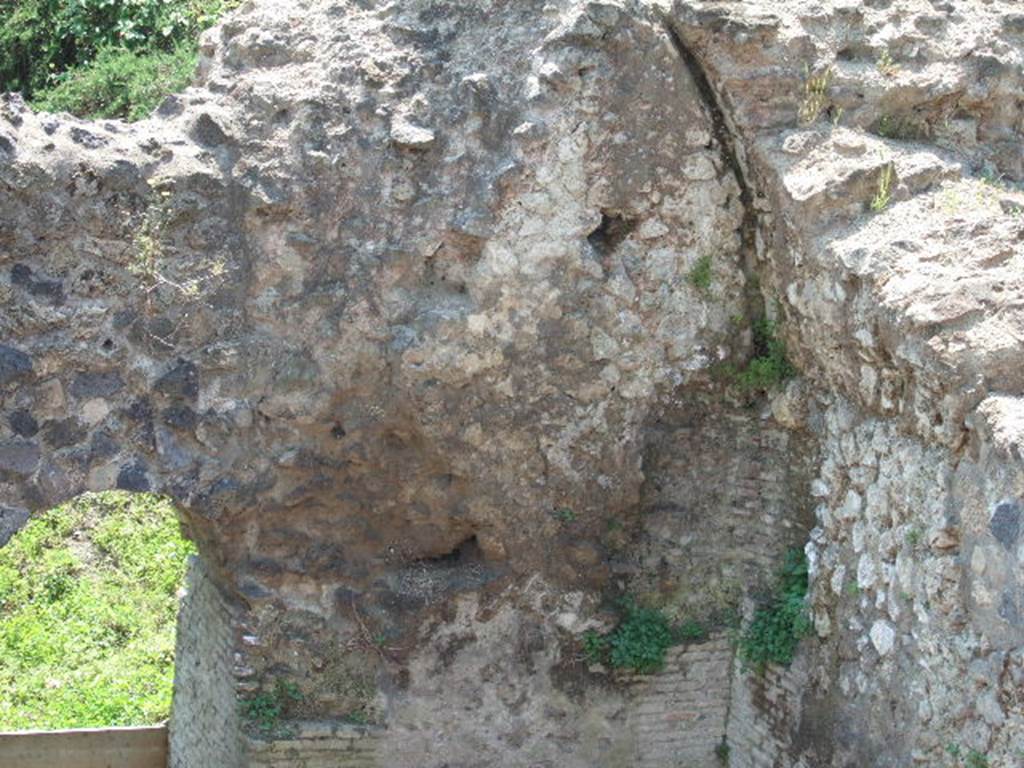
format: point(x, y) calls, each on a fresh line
point(726, 141)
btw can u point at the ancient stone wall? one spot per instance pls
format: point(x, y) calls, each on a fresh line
point(429, 316)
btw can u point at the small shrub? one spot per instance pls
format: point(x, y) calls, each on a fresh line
point(120, 83)
point(972, 759)
point(700, 276)
point(265, 709)
point(775, 632)
point(914, 536)
point(641, 640)
point(595, 647)
point(102, 58)
point(769, 367)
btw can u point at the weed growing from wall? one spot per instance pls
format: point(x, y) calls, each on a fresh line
point(769, 367)
point(641, 639)
point(815, 95)
point(700, 276)
point(887, 65)
point(883, 196)
point(776, 629)
point(265, 710)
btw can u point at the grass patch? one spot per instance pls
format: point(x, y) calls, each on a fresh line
point(88, 608)
point(120, 83)
point(775, 631)
point(102, 58)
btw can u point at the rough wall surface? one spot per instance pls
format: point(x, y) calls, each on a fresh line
point(402, 304)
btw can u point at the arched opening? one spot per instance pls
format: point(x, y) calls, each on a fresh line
point(89, 602)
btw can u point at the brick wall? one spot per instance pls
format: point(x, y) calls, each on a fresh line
point(678, 716)
point(205, 725)
point(764, 712)
point(316, 744)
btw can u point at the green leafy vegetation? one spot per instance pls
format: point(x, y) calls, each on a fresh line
point(722, 751)
point(102, 58)
point(971, 759)
point(775, 631)
point(691, 631)
point(769, 367)
point(887, 65)
point(640, 640)
point(700, 276)
point(565, 514)
point(88, 608)
point(265, 709)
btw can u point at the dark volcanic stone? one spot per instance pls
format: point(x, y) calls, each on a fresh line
point(23, 423)
point(1005, 523)
point(61, 434)
point(14, 364)
point(180, 417)
point(22, 276)
point(132, 477)
point(92, 384)
point(181, 381)
point(19, 456)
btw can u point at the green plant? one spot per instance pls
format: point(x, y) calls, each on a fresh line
point(700, 276)
point(120, 83)
point(886, 65)
point(691, 631)
point(769, 367)
point(852, 588)
point(640, 640)
point(49, 49)
point(972, 759)
point(722, 751)
point(265, 709)
point(815, 95)
point(913, 537)
point(565, 514)
point(777, 628)
point(88, 609)
point(883, 196)
point(356, 718)
point(595, 646)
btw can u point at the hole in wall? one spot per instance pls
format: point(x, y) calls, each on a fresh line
point(611, 232)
